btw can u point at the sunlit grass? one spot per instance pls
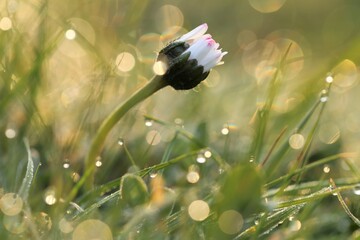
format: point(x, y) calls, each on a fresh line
point(265, 148)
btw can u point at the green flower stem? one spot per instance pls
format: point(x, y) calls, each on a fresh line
point(150, 88)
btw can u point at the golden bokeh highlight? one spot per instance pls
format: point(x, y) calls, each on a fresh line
point(5, 24)
point(326, 168)
point(345, 75)
point(169, 16)
point(10, 133)
point(267, 6)
point(50, 196)
point(125, 62)
point(92, 229)
point(70, 34)
point(160, 68)
point(296, 141)
point(193, 175)
point(153, 137)
point(230, 222)
point(259, 59)
point(11, 204)
point(198, 210)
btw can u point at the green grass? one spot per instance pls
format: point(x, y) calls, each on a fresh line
point(266, 148)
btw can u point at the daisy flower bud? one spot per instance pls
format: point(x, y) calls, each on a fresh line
point(190, 58)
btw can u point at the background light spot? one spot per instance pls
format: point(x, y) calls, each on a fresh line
point(11, 204)
point(267, 6)
point(5, 24)
point(153, 137)
point(92, 229)
point(230, 222)
point(296, 141)
point(10, 133)
point(159, 68)
point(199, 210)
point(125, 62)
point(70, 34)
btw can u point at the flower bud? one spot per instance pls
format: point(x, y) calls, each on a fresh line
point(190, 58)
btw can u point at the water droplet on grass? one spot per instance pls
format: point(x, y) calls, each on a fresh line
point(326, 169)
point(356, 189)
point(148, 122)
point(201, 158)
point(121, 141)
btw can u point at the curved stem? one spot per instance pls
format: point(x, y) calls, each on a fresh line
point(150, 88)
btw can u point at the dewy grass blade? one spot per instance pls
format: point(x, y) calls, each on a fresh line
point(262, 115)
point(276, 158)
point(29, 175)
point(343, 204)
point(310, 166)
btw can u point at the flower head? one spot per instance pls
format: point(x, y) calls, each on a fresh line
point(190, 58)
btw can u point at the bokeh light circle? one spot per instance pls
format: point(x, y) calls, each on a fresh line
point(11, 204)
point(92, 229)
point(267, 6)
point(199, 210)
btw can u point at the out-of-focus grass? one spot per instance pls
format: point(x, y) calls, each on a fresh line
point(247, 155)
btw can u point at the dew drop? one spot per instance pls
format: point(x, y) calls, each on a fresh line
point(356, 189)
point(324, 99)
point(121, 141)
point(256, 222)
point(148, 122)
point(66, 164)
point(49, 196)
point(153, 174)
point(221, 170)
point(201, 158)
point(98, 163)
point(326, 169)
point(70, 34)
point(207, 154)
point(75, 176)
point(225, 131)
point(329, 79)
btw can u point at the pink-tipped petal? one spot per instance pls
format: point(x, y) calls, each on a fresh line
point(195, 33)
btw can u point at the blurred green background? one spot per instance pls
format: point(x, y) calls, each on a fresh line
point(65, 65)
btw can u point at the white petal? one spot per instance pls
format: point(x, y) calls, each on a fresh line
point(213, 61)
point(200, 48)
point(195, 33)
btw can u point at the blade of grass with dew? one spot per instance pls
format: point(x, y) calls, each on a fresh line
point(343, 204)
point(307, 167)
point(309, 186)
point(29, 175)
point(215, 155)
point(263, 113)
point(276, 158)
point(105, 188)
point(327, 191)
point(272, 221)
point(302, 157)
